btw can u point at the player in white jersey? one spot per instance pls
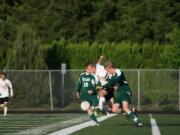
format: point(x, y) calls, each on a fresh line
point(5, 86)
point(104, 95)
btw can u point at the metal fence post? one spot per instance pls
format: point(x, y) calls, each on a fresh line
point(62, 90)
point(50, 91)
point(63, 72)
point(138, 71)
point(179, 88)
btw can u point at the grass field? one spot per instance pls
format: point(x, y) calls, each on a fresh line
point(42, 124)
point(38, 124)
point(118, 125)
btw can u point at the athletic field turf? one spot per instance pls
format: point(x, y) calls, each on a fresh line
point(38, 124)
point(118, 125)
point(42, 124)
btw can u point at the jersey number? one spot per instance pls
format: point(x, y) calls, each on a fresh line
point(85, 84)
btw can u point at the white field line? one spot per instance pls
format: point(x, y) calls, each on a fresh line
point(154, 127)
point(72, 129)
point(52, 127)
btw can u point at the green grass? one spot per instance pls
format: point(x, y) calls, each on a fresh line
point(168, 124)
point(42, 124)
point(118, 125)
point(39, 124)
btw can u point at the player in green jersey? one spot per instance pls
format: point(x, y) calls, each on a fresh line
point(123, 93)
point(86, 90)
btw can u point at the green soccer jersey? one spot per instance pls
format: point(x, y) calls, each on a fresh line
point(87, 82)
point(123, 92)
point(118, 79)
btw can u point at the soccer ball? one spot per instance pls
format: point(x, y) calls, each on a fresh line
point(85, 105)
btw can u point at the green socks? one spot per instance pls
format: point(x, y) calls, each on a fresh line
point(133, 117)
point(93, 117)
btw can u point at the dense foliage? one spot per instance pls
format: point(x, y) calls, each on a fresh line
point(134, 28)
point(124, 55)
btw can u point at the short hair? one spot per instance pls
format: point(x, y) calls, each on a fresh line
point(2, 74)
point(109, 64)
point(89, 64)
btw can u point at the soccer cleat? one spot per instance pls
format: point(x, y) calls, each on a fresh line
point(102, 111)
point(4, 116)
point(96, 124)
point(127, 117)
point(139, 124)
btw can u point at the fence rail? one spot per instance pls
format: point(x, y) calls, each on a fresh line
point(153, 89)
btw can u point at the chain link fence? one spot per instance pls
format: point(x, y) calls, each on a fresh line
point(52, 90)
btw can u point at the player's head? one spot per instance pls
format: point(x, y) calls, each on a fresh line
point(93, 69)
point(89, 67)
point(109, 67)
point(2, 75)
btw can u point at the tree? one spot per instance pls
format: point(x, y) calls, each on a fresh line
point(26, 52)
point(172, 54)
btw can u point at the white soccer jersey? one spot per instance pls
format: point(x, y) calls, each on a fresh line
point(96, 79)
point(101, 73)
point(4, 89)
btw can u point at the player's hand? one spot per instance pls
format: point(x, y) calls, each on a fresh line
point(115, 87)
point(101, 57)
point(77, 94)
point(90, 92)
point(99, 87)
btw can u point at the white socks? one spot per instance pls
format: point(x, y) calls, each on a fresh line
point(5, 110)
point(101, 102)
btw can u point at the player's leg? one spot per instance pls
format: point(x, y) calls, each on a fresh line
point(125, 98)
point(116, 108)
point(92, 116)
point(1, 103)
point(5, 108)
point(6, 99)
point(130, 113)
point(102, 100)
point(126, 108)
point(110, 104)
point(94, 103)
point(110, 99)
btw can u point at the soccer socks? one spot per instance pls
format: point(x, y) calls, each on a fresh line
point(101, 102)
point(133, 117)
point(93, 117)
point(5, 110)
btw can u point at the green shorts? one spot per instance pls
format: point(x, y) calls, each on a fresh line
point(123, 94)
point(92, 99)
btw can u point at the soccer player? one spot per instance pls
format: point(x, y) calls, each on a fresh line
point(123, 93)
point(5, 86)
point(104, 95)
point(86, 91)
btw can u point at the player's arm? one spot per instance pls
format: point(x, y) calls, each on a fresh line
point(11, 92)
point(10, 88)
point(79, 86)
point(111, 82)
point(97, 82)
point(100, 60)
